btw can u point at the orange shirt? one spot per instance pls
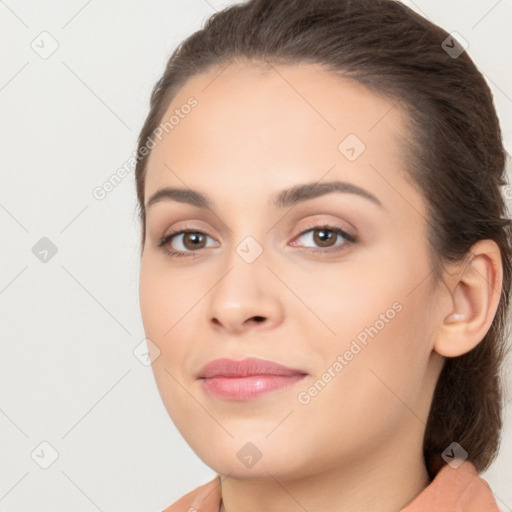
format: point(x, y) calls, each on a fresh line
point(451, 490)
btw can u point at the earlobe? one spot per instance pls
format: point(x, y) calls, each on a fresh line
point(474, 301)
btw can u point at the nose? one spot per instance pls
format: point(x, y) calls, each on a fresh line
point(246, 297)
point(257, 319)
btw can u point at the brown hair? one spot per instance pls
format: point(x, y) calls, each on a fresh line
point(455, 154)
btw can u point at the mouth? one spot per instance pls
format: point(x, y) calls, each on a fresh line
point(248, 388)
point(247, 379)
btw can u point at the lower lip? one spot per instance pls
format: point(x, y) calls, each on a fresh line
point(248, 388)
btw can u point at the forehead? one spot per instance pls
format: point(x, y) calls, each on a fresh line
point(273, 126)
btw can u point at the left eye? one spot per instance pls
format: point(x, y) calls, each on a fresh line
point(324, 236)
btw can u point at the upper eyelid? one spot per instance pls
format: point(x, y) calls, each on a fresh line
point(310, 224)
point(313, 226)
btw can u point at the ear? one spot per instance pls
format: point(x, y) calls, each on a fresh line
point(473, 294)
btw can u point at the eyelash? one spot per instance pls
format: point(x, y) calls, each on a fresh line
point(337, 230)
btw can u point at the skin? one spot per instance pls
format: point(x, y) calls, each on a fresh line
point(357, 444)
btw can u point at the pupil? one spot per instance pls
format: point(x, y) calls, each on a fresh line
point(195, 238)
point(324, 235)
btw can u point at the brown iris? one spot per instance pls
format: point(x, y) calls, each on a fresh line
point(322, 237)
point(195, 239)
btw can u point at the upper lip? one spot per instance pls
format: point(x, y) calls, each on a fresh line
point(243, 368)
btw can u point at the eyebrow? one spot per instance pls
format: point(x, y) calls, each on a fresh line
point(283, 199)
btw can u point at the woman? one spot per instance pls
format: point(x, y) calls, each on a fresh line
point(326, 259)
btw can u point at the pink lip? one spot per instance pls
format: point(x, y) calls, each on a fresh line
point(246, 379)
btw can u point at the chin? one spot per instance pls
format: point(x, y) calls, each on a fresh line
point(246, 460)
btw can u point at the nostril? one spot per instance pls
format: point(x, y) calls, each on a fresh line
point(258, 319)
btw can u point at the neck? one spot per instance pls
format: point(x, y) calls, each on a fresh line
point(386, 483)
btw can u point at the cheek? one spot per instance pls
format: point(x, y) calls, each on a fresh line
point(378, 318)
point(169, 304)
point(371, 397)
point(162, 305)
point(389, 353)
point(164, 298)
point(152, 299)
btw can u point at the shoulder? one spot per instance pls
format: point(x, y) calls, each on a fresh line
point(205, 498)
point(456, 488)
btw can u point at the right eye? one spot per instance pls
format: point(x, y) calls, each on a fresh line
point(191, 241)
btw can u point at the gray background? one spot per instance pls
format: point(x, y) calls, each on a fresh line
point(69, 325)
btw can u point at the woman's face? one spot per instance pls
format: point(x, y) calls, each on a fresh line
point(355, 317)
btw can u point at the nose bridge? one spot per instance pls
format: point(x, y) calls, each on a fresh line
point(244, 267)
point(243, 290)
point(247, 239)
